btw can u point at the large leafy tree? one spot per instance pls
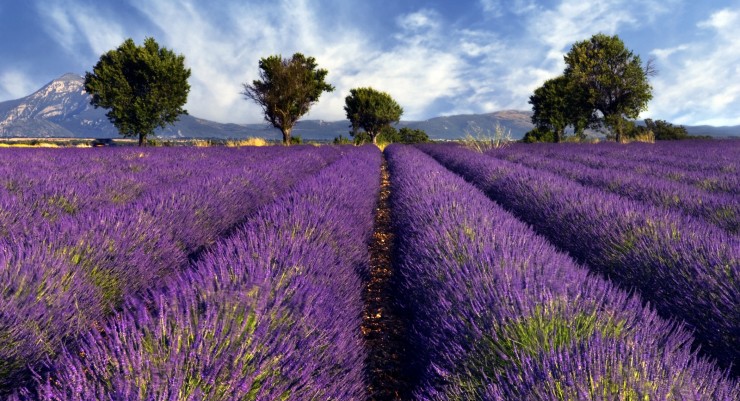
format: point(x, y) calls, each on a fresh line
point(287, 89)
point(144, 87)
point(371, 110)
point(558, 104)
point(613, 79)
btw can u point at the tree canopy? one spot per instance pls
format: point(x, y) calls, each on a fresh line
point(144, 87)
point(389, 134)
point(556, 105)
point(603, 85)
point(613, 80)
point(371, 110)
point(287, 89)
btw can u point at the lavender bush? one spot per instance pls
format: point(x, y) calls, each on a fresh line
point(497, 313)
point(271, 313)
point(82, 230)
point(683, 266)
point(721, 209)
point(706, 165)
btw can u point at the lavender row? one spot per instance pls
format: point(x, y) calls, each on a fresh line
point(684, 267)
point(722, 210)
point(72, 181)
point(497, 313)
point(704, 156)
point(594, 156)
point(273, 312)
point(57, 278)
point(44, 187)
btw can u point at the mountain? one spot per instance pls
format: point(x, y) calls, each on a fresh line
point(517, 122)
point(727, 131)
point(61, 109)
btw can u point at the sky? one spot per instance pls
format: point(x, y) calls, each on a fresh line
point(438, 57)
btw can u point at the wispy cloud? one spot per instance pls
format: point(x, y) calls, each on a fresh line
point(431, 63)
point(15, 84)
point(223, 50)
point(507, 70)
point(80, 29)
point(492, 7)
point(698, 81)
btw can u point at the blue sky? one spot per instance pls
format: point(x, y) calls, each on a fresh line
point(434, 57)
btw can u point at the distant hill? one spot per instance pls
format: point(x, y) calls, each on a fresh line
point(730, 131)
point(456, 126)
point(61, 109)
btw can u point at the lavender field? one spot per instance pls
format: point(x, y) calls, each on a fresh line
point(530, 272)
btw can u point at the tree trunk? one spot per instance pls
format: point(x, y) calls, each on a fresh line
point(558, 135)
point(375, 140)
point(141, 140)
point(286, 135)
point(619, 130)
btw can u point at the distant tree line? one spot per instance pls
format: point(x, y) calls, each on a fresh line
point(604, 86)
point(145, 87)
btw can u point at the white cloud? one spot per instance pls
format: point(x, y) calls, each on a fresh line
point(699, 84)
point(15, 84)
point(523, 63)
point(492, 7)
point(425, 60)
point(496, 8)
point(721, 20)
point(223, 54)
point(663, 54)
point(420, 20)
point(524, 6)
point(80, 29)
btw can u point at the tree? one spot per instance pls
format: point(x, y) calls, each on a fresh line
point(144, 87)
point(558, 104)
point(408, 135)
point(664, 130)
point(538, 134)
point(613, 79)
point(371, 110)
point(287, 89)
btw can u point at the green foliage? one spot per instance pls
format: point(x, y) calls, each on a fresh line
point(557, 104)
point(654, 130)
point(362, 138)
point(389, 134)
point(408, 135)
point(287, 89)
point(144, 87)
point(538, 134)
point(613, 80)
point(341, 140)
point(664, 130)
point(371, 110)
point(634, 133)
point(547, 329)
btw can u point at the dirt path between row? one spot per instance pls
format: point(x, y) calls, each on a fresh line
point(383, 331)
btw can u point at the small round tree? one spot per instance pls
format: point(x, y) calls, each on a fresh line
point(287, 89)
point(144, 87)
point(371, 110)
